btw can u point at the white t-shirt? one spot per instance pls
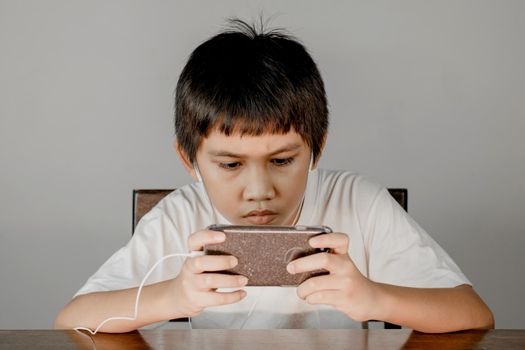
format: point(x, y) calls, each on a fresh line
point(386, 245)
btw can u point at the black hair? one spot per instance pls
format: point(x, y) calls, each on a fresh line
point(250, 81)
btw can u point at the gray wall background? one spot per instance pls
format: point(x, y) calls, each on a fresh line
point(426, 95)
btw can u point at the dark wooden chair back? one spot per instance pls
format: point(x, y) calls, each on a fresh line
point(144, 201)
point(401, 196)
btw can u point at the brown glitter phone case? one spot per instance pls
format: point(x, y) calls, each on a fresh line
point(264, 251)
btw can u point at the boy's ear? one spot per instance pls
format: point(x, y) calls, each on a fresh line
point(184, 159)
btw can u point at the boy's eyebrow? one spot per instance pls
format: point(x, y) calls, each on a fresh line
point(287, 148)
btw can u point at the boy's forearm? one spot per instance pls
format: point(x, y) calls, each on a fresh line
point(91, 309)
point(434, 310)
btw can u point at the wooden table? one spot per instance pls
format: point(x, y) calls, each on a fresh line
point(282, 339)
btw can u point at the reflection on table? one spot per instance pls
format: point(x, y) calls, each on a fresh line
point(263, 339)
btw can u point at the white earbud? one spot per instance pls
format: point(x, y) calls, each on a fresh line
point(197, 172)
point(199, 178)
point(311, 166)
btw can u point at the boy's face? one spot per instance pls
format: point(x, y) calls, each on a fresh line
point(257, 180)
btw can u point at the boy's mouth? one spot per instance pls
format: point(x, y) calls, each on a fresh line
point(260, 217)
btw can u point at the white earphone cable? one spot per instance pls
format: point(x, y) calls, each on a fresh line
point(135, 313)
point(139, 291)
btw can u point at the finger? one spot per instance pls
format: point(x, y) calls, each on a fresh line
point(204, 263)
point(314, 262)
point(215, 280)
point(325, 282)
point(223, 298)
point(199, 239)
point(335, 240)
point(326, 297)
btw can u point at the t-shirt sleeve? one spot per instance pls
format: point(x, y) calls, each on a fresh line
point(154, 237)
point(400, 252)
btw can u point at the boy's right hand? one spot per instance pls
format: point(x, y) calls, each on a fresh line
point(194, 289)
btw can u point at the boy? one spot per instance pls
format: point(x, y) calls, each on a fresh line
point(251, 120)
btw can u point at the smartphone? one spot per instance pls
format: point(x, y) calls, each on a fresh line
point(264, 251)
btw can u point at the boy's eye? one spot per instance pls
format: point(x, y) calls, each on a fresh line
point(230, 166)
point(276, 161)
point(282, 161)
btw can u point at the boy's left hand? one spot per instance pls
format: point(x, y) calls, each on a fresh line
point(344, 288)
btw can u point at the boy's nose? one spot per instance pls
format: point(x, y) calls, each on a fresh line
point(259, 186)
